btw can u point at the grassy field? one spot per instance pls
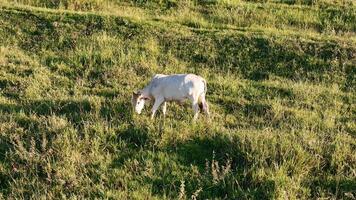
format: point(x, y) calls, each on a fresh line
point(281, 87)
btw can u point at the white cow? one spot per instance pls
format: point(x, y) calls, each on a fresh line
point(177, 87)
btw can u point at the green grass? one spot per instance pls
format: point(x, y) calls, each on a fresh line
point(281, 88)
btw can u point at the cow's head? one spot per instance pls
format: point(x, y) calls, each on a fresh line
point(138, 101)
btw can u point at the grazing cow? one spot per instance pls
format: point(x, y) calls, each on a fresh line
point(177, 87)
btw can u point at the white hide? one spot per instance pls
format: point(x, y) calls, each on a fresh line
point(178, 87)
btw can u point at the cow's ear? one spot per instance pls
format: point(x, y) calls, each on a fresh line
point(136, 93)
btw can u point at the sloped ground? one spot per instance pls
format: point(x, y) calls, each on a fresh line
point(281, 87)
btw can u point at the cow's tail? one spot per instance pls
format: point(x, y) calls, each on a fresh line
point(203, 105)
point(205, 88)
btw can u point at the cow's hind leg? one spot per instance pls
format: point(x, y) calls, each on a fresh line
point(195, 109)
point(157, 103)
point(204, 105)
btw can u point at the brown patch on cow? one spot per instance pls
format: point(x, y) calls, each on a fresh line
point(201, 106)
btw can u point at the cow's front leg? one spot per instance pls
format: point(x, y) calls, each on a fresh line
point(158, 102)
point(164, 108)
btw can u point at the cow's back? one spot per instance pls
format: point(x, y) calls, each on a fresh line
point(176, 86)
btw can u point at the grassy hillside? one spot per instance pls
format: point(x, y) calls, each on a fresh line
point(281, 88)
